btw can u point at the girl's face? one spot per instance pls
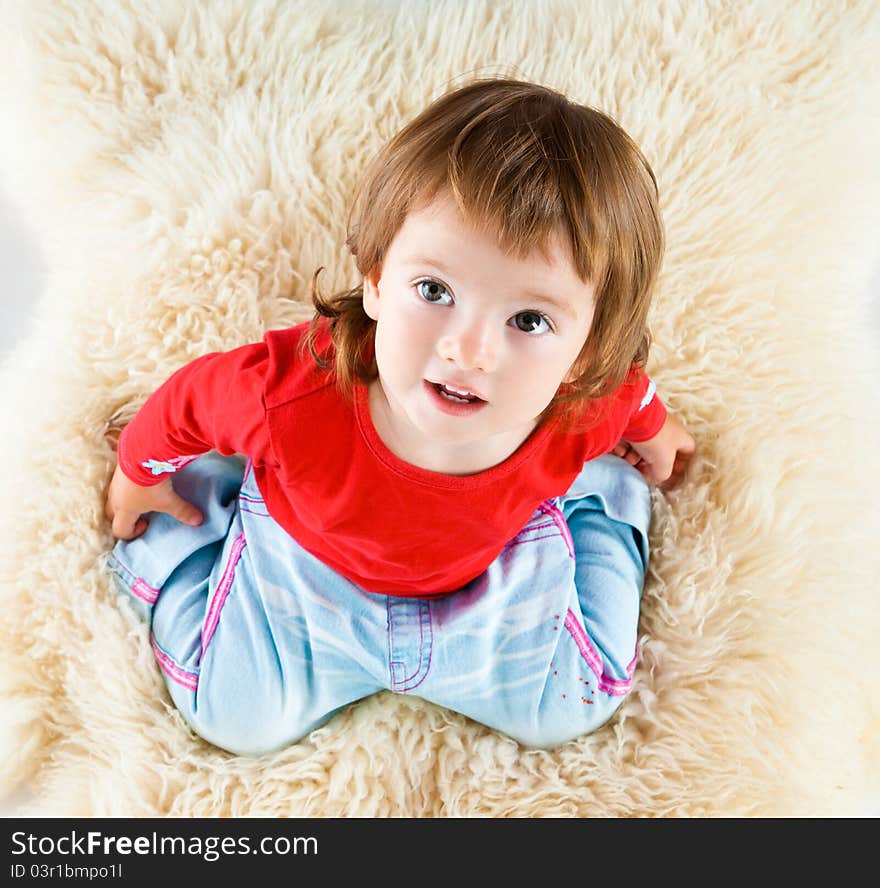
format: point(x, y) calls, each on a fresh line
point(452, 309)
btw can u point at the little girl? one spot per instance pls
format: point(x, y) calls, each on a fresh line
point(433, 499)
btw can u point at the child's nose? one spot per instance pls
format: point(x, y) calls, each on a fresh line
point(471, 347)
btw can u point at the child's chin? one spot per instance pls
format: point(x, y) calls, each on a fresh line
point(443, 429)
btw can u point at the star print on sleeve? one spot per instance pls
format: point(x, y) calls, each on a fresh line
point(649, 395)
point(158, 466)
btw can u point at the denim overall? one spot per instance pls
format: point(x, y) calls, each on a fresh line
point(260, 642)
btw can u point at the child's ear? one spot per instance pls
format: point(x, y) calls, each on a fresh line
point(371, 293)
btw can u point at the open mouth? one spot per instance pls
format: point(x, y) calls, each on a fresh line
point(455, 402)
point(457, 396)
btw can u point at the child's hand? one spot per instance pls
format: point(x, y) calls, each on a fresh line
point(127, 501)
point(664, 458)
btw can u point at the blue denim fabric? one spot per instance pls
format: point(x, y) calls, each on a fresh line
point(260, 642)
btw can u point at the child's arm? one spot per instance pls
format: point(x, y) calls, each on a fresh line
point(213, 403)
point(664, 458)
point(653, 440)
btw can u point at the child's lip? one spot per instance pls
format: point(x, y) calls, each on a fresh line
point(450, 406)
point(458, 385)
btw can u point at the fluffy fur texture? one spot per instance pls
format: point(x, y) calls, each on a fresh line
point(188, 166)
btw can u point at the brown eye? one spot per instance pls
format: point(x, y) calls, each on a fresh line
point(530, 322)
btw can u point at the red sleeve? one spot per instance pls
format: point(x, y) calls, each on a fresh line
point(647, 411)
point(215, 402)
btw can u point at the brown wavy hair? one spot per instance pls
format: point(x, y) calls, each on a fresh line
point(523, 162)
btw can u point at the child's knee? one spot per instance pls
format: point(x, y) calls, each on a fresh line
point(249, 740)
point(245, 726)
point(250, 709)
point(582, 717)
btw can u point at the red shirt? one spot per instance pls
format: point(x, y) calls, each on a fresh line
point(333, 485)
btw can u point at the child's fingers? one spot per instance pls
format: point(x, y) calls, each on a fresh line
point(626, 452)
point(679, 471)
point(128, 525)
point(183, 511)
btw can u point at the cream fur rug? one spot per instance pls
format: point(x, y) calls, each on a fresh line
point(187, 167)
